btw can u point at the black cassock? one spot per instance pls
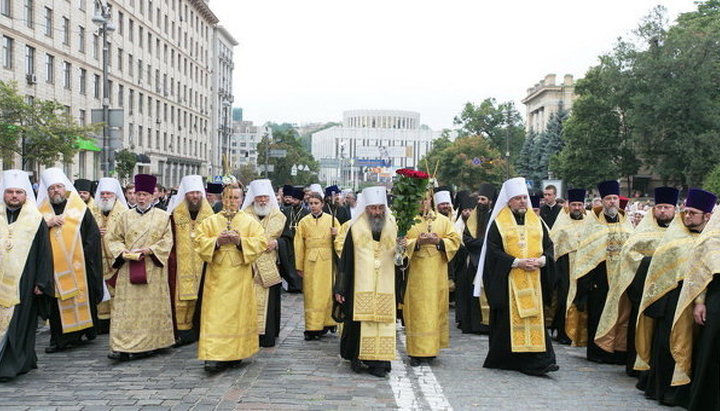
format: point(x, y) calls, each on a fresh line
point(17, 350)
point(345, 285)
point(467, 306)
point(656, 381)
point(90, 235)
point(286, 247)
point(562, 286)
point(704, 391)
point(342, 213)
point(495, 279)
point(550, 214)
point(634, 293)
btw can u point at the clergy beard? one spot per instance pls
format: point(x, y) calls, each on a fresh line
point(483, 207)
point(193, 206)
point(57, 199)
point(261, 211)
point(665, 221)
point(377, 223)
point(611, 212)
point(106, 204)
point(520, 211)
point(576, 215)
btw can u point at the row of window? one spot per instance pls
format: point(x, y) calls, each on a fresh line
point(146, 137)
point(163, 85)
point(196, 49)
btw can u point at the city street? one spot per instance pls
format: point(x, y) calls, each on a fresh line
point(310, 375)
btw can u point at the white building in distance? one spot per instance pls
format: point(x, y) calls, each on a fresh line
point(370, 145)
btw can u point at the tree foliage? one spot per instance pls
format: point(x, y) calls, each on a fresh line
point(653, 102)
point(285, 137)
point(454, 161)
point(40, 132)
point(495, 122)
point(125, 161)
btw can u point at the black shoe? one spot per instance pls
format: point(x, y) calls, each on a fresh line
point(564, 340)
point(311, 337)
point(55, 348)
point(541, 373)
point(378, 372)
point(358, 366)
point(214, 366)
point(119, 356)
point(414, 361)
point(233, 364)
point(332, 329)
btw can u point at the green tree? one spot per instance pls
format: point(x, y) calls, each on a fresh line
point(456, 166)
point(598, 140)
point(246, 173)
point(675, 109)
point(285, 137)
point(41, 132)
point(496, 122)
point(125, 161)
point(712, 180)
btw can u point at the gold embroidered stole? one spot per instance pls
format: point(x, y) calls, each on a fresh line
point(666, 269)
point(611, 334)
point(265, 270)
point(703, 262)
point(374, 289)
point(566, 235)
point(15, 242)
point(527, 323)
point(189, 265)
point(71, 288)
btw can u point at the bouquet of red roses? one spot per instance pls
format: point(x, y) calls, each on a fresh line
point(409, 188)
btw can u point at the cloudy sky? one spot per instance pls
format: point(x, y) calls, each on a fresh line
point(309, 60)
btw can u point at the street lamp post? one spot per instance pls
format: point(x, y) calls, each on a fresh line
point(105, 26)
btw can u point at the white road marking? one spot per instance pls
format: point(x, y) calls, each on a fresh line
point(402, 385)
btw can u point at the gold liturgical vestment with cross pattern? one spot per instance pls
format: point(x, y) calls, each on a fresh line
point(107, 223)
point(141, 313)
point(527, 322)
point(426, 302)
point(71, 287)
point(228, 318)
point(189, 265)
point(16, 239)
point(374, 289)
point(265, 269)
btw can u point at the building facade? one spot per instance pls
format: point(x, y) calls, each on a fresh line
point(223, 43)
point(244, 143)
point(161, 65)
point(370, 145)
point(545, 98)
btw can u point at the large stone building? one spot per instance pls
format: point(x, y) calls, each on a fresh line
point(545, 98)
point(164, 73)
point(222, 80)
point(244, 142)
point(370, 144)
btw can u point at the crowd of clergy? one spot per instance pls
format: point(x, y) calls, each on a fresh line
point(208, 265)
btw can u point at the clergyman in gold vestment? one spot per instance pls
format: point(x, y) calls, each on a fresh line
point(141, 243)
point(229, 242)
point(431, 243)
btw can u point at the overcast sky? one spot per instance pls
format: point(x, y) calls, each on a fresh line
point(305, 61)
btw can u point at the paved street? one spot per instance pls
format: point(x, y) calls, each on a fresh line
point(310, 375)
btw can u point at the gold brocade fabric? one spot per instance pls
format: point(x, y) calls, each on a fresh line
point(141, 313)
point(314, 257)
point(374, 289)
point(664, 272)
point(107, 222)
point(189, 265)
point(71, 288)
point(527, 324)
point(425, 306)
point(703, 262)
point(611, 334)
point(265, 269)
point(566, 234)
point(600, 242)
point(228, 320)
point(15, 242)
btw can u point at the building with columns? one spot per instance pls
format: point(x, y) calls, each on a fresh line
point(370, 144)
point(545, 98)
point(162, 58)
